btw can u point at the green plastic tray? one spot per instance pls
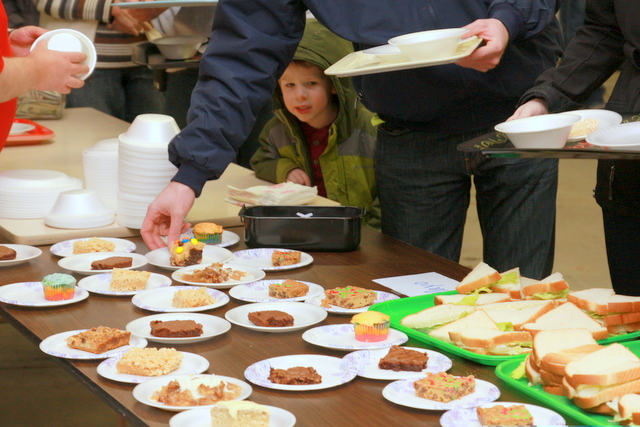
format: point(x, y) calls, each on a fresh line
point(399, 308)
point(558, 403)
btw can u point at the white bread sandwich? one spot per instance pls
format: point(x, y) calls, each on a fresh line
point(628, 409)
point(518, 313)
point(602, 376)
point(436, 316)
point(492, 341)
point(551, 287)
point(567, 316)
point(476, 319)
point(623, 304)
point(551, 341)
point(594, 300)
point(509, 282)
point(481, 276)
point(477, 299)
point(548, 345)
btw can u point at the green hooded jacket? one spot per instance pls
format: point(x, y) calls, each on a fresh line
point(347, 163)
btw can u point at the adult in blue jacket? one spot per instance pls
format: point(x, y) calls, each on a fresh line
point(423, 181)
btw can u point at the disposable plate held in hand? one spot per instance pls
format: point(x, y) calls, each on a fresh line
point(398, 309)
point(359, 63)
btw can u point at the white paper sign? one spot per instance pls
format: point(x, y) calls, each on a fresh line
point(419, 284)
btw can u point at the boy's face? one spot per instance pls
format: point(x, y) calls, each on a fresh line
point(307, 95)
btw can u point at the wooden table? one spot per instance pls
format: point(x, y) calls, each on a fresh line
point(359, 402)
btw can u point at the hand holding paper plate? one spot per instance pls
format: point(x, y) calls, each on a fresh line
point(414, 50)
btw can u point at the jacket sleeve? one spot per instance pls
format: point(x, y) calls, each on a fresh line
point(523, 18)
point(251, 44)
point(92, 10)
point(265, 160)
point(593, 55)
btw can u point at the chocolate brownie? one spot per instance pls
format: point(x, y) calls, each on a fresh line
point(7, 253)
point(175, 328)
point(402, 359)
point(273, 318)
point(298, 375)
point(112, 262)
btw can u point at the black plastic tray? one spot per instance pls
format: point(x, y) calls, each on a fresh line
point(308, 228)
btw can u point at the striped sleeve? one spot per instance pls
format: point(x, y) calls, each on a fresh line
point(93, 10)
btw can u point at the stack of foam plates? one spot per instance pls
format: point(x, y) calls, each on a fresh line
point(100, 163)
point(31, 193)
point(144, 169)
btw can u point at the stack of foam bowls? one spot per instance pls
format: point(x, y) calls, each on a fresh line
point(144, 169)
point(79, 209)
point(100, 163)
point(31, 193)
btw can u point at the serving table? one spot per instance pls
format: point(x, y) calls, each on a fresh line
point(359, 402)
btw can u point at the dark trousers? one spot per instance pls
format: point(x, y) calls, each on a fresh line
point(622, 237)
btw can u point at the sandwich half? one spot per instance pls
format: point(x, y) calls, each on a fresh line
point(551, 287)
point(481, 276)
point(436, 316)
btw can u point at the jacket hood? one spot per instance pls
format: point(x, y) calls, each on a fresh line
point(323, 48)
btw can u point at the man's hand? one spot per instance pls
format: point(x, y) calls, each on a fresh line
point(534, 107)
point(496, 38)
point(56, 70)
point(298, 176)
point(166, 214)
point(22, 39)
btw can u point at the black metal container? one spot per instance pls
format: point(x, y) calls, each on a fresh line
point(305, 228)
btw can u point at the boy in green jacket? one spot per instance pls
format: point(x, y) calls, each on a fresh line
point(320, 135)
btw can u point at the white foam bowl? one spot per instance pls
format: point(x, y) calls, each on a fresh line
point(544, 131)
point(432, 44)
point(79, 209)
point(67, 40)
point(151, 129)
point(179, 47)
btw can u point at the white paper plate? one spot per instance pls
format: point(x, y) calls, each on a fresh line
point(605, 119)
point(160, 300)
point(259, 291)
point(342, 337)
point(191, 364)
point(359, 64)
point(382, 296)
point(303, 317)
point(210, 254)
point(367, 363)
point(18, 128)
point(65, 248)
point(252, 275)
point(202, 418)
point(211, 327)
point(261, 258)
point(468, 417)
point(623, 135)
point(81, 263)
point(333, 370)
point(31, 294)
point(99, 284)
point(143, 392)
point(23, 254)
point(402, 392)
point(55, 345)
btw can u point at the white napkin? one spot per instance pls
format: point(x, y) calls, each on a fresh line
point(286, 193)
